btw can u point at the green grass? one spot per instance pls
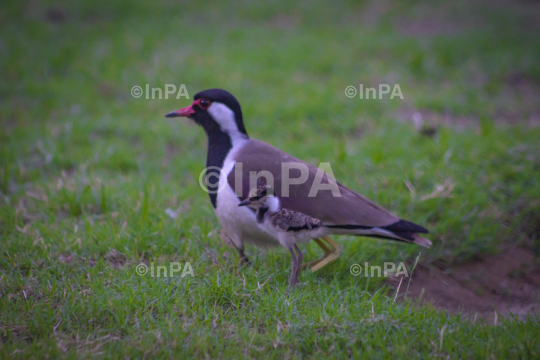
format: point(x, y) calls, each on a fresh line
point(87, 169)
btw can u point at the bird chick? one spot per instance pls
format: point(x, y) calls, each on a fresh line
point(288, 227)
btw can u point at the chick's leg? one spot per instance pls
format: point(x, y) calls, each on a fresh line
point(294, 269)
point(299, 258)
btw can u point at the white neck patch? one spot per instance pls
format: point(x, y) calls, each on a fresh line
point(227, 122)
point(273, 204)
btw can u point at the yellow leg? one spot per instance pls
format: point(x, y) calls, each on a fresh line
point(315, 262)
point(331, 252)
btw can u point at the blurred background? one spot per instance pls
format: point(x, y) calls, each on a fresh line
point(89, 168)
point(469, 74)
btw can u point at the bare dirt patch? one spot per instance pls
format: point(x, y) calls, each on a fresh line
point(507, 283)
point(435, 20)
point(428, 120)
point(421, 117)
point(283, 21)
point(116, 259)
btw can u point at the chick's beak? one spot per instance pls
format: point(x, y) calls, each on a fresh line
point(245, 202)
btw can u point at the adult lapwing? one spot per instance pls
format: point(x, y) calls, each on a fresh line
point(288, 227)
point(234, 160)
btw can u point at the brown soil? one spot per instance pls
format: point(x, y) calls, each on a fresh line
point(507, 283)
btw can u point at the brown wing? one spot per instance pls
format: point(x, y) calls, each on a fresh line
point(289, 220)
point(351, 209)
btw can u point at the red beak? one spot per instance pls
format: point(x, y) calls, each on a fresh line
point(184, 112)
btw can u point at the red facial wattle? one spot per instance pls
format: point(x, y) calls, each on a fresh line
point(188, 110)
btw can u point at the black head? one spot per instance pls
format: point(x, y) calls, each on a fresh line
point(215, 110)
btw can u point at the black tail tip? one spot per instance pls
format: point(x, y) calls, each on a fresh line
point(406, 226)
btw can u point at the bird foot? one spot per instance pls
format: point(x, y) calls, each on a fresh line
point(244, 261)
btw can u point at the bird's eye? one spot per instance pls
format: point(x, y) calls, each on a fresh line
point(204, 104)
